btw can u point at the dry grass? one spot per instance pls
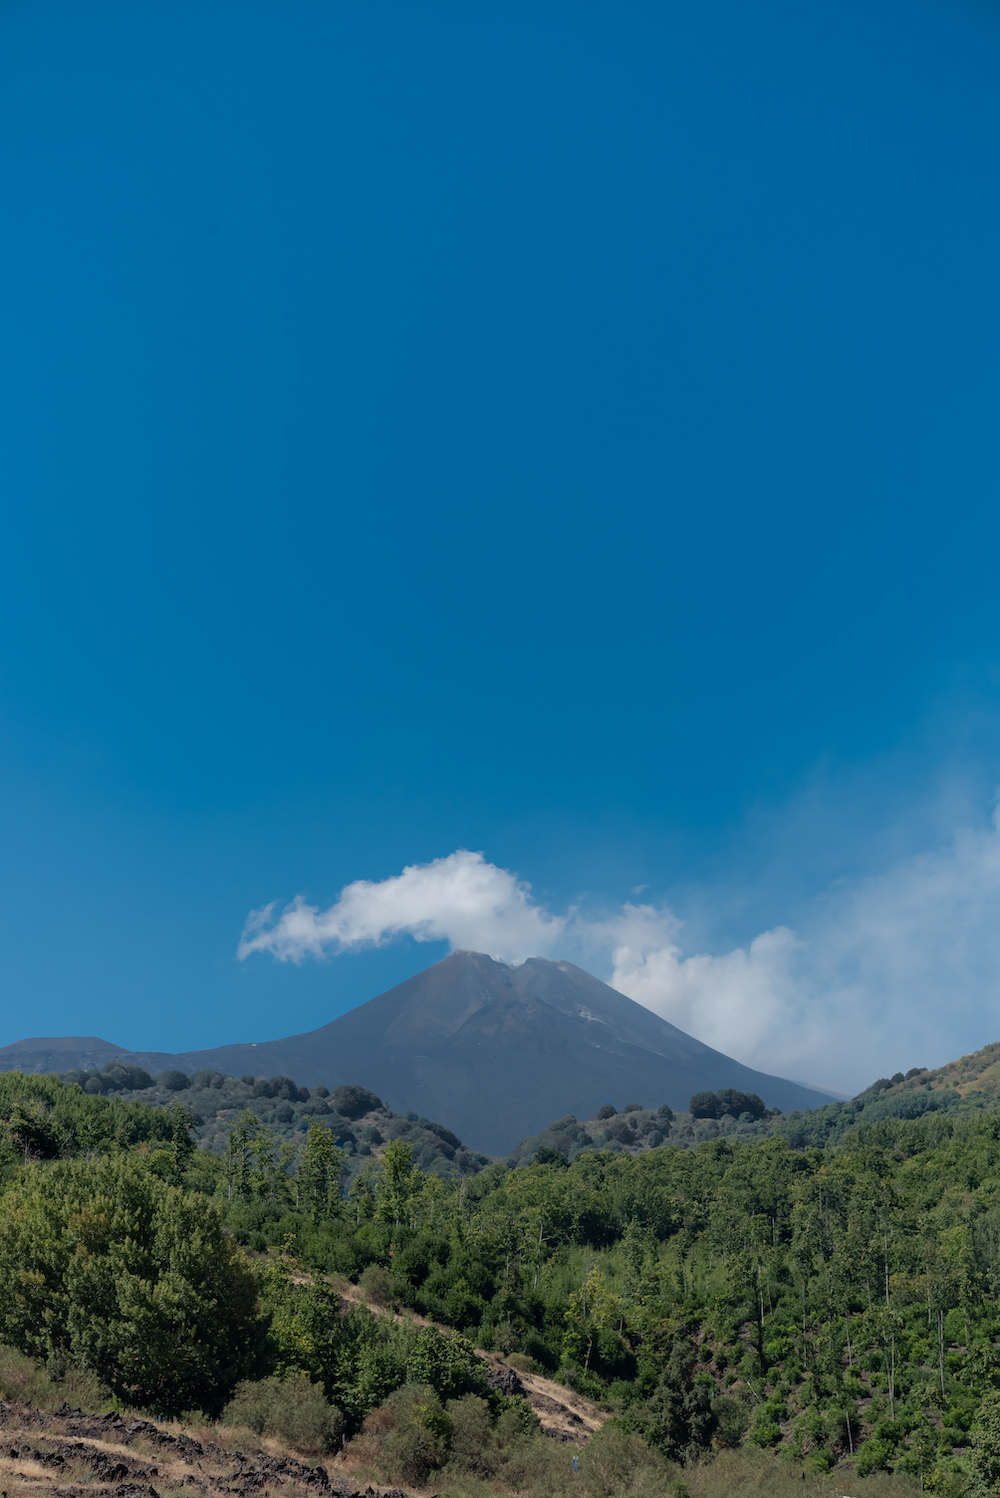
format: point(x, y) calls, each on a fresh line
point(753, 1474)
point(22, 1380)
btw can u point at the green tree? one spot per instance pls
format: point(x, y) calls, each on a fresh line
point(255, 1167)
point(875, 1456)
point(984, 1459)
point(109, 1267)
point(448, 1365)
point(396, 1183)
point(32, 1132)
point(680, 1422)
point(321, 1166)
point(238, 1158)
point(592, 1310)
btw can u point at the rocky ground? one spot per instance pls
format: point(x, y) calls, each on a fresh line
point(71, 1454)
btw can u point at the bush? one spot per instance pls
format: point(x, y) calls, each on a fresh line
point(124, 1078)
point(547, 1156)
point(521, 1363)
point(821, 1460)
point(352, 1102)
point(471, 1435)
point(447, 1363)
point(418, 1440)
point(984, 1463)
point(106, 1267)
point(731, 1423)
point(277, 1087)
point(24, 1380)
point(173, 1081)
point(873, 1456)
point(615, 1461)
point(376, 1285)
point(291, 1409)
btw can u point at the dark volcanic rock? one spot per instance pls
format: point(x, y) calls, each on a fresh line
point(505, 1380)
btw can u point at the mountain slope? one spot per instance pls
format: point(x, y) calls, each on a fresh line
point(493, 1051)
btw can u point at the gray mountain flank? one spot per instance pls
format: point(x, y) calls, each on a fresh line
point(493, 1052)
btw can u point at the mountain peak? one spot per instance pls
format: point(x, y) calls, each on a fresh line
point(492, 1050)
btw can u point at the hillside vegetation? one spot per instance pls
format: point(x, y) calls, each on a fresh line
point(358, 1120)
point(750, 1299)
point(962, 1089)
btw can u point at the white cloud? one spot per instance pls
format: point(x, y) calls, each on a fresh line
point(734, 1002)
point(461, 899)
point(896, 969)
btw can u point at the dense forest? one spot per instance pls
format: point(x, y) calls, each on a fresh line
point(832, 1303)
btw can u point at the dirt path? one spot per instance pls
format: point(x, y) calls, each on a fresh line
point(562, 1413)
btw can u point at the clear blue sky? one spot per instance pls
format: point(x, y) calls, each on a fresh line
point(560, 430)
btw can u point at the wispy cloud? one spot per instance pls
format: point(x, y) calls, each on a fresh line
point(896, 969)
point(460, 899)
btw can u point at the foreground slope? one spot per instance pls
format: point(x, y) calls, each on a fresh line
point(493, 1051)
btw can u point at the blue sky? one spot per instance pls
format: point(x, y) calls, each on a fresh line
point(561, 431)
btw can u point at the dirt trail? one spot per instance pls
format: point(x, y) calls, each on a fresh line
point(563, 1414)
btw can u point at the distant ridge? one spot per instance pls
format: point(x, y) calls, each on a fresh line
point(493, 1051)
point(79, 1045)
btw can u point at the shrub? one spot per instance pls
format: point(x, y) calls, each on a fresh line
point(873, 1456)
point(448, 1364)
point(471, 1435)
point(984, 1461)
point(821, 1460)
point(126, 1078)
point(109, 1268)
point(352, 1102)
point(617, 1461)
point(521, 1363)
point(22, 1379)
point(735, 1104)
point(731, 1422)
point(292, 1409)
point(173, 1081)
point(278, 1087)
point(546, 1156)
point(376, 1285)
point(419, 1438)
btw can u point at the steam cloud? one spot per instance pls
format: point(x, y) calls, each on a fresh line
point(901, 968)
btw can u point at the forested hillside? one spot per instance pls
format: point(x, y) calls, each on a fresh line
point(831, 1305)
point(358, 1120)
point(962, 1089)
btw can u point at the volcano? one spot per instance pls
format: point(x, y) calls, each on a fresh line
point(492, 1051)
